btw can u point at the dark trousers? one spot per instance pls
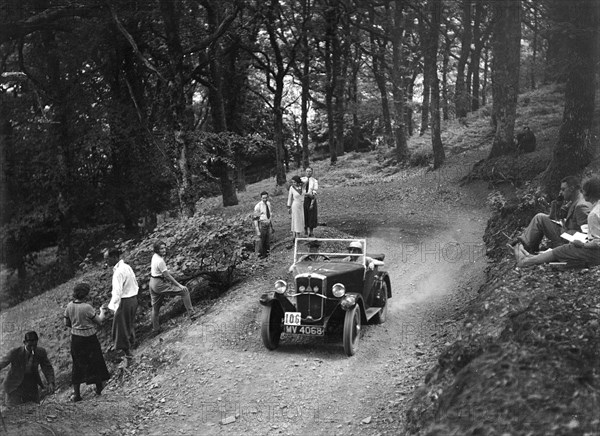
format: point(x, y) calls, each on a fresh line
point(310, 214)
point(541, 226)
point(265, 238)
point(123, 328)
point(27, 391)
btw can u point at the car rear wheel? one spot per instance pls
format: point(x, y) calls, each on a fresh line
point(351, 330)
point(270, 330)
point(381, 316)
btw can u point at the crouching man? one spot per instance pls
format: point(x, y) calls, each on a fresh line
point(23, 378)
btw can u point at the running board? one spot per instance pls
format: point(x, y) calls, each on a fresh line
point(371, 312)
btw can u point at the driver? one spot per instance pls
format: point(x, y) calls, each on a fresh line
point(313, 250)
point(355, 250)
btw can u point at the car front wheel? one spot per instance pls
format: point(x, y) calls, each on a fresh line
point(270, 331)
point(351, 330)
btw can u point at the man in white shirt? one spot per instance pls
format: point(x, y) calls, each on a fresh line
point(263, 224)
point(311, 186)
point(123, 302)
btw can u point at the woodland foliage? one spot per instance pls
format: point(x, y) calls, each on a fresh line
point(112, 112)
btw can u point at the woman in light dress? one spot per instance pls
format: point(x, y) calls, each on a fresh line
point(295, 206)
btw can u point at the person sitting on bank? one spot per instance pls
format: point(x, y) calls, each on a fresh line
point(575, 252)
point(23, 378)
point(575, 210)
point(355, 250)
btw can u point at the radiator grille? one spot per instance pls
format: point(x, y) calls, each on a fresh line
point(310, 303)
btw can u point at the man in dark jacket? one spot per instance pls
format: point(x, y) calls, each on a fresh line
point(574, 214)
point(23, 378)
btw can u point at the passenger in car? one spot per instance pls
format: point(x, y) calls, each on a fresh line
point(355, 248)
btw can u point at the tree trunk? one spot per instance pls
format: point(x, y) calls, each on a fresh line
point(353, 97)
point(341, 57)
point(305, 81)
point(410, 88)
point(378, 59)
point(575, 146)
point(224, 172)
point(445, 63)
point(430, 64)
point(557, 52)
point(278, 73)
point(461, 94)
point(180, 116)
point(60, 139)
point(486, 68)
point(505, 73)
point(423, 31)
point(397, 82)
point(331, 69)
point(534, 43)
point(479, 42)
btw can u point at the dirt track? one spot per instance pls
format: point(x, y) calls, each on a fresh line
point(308, 386)
point(215, 376)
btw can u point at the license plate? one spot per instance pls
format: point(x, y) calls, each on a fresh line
point(310, 330)
point(292, 318)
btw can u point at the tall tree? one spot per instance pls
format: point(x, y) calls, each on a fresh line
point(395, 25)
point(332, 72)
point(506, 43)
point(580, 21)
point(276, 66)
point(379, 42)
point(430, 60)
point(462, 100)
point(305, 77)
point(425, 36)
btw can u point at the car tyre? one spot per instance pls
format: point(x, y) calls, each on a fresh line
point(381, 316)
point(270, 331)
point(351, 333)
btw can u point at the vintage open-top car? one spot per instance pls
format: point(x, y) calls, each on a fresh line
point(334, 288)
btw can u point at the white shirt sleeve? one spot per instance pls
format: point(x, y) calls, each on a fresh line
point(117, 291)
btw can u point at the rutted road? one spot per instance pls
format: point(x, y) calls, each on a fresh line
point(225, 382)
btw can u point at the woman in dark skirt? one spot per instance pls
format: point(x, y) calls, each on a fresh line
point(88, 362)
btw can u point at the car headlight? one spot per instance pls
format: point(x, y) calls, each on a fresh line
point(348, 302)
point(338, 290)
point(280, 286)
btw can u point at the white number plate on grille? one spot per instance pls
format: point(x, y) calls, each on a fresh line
point(292, 318)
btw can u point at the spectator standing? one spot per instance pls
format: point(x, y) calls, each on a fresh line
point(23, 378)
point(295, 206)
point(311, 186)
point(162, 284)
point(123, 303)
point(263, 224)
point(88, 362)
